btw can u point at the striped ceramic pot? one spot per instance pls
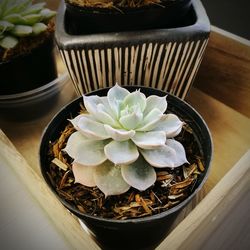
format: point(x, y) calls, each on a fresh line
point(166, 59)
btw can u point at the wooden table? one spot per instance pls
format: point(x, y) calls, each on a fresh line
point(221, 94)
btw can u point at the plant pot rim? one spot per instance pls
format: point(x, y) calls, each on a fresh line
point(123, 10)
point(34, 93)
point(132, 220)
point(68, 41)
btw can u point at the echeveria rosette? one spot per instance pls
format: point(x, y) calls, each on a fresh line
point(121, 139)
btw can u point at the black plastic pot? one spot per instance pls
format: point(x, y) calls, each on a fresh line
point(168, 14)
point(141, 233)
point(29, 71)
point(34, 103)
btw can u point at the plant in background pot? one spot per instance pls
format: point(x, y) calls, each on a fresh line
point(118, 15)
point(26, 46)
point(27, 59)
point(157, 43)
point(127, 164)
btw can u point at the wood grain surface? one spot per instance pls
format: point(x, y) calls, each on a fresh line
point(225, 72)
point(221, 220)
point(221, 96)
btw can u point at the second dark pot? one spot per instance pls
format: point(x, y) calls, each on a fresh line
point(84, 20)
point(141, 233)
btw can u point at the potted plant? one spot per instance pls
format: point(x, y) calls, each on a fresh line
point(102, 46)
point(27, 60)
point(124, 165)
point(124, 15)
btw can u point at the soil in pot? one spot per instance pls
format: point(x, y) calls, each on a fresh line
point(29, 65)
point(85, 17)
point(143, 218)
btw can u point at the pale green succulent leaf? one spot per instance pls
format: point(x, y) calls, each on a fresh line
point(8, 42)
point(92, 129)
point(124, 152)
point(139, 174)
point(91, 102)
point(38, 28)
point(47, 14)
point(21, 30)
point(119, 134)
point(84, 174)
point(76, 119)
point(5, 26)
point(161, 157)
point(151, 120)
point(115, 97)
point(91, 153)
point(149, 140)
point(103, 115)
point(74, 143)
point(179, 150)
point(131, 120)
point(15, 19)
point(135, 98)
point(17, 6)
point(109, 180)
point(32, 19)
point(33, 9)
point(171, 125)
point(158, 102)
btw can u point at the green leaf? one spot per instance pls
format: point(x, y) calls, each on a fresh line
point(3, 6)
point(39, 28)
point(8, 42)
point(14, 18)
point(119, 134)
point(154, 101)
point(149, 140)
point(115, 97)
point(73, 143)
point(32, 19)
point(47, 14)
point(109, 180)
point(33, 9)
point(139, 174)
point(160, 157)
point(92, 129)
point(132, 120)
point(84, 174)
point(17, 7)
point(21, 30)
point(179, 150)
point(5, 26)
point(135, 99)
point(124, 152)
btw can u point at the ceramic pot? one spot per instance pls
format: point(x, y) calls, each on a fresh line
point(85, 20)
point(163, 58)
point(141, 233)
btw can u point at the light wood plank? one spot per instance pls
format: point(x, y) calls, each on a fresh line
point(67, 225)
point(225, 72)
point(221, 220)
point(230, 133)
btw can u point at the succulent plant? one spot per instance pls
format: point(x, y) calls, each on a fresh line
point(20, 18)
point(121, 139)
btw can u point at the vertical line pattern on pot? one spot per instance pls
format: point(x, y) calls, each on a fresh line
point(168, 66)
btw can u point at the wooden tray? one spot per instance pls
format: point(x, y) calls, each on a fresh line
point(230, 132)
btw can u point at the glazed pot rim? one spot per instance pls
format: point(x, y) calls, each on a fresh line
point(155, 217)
